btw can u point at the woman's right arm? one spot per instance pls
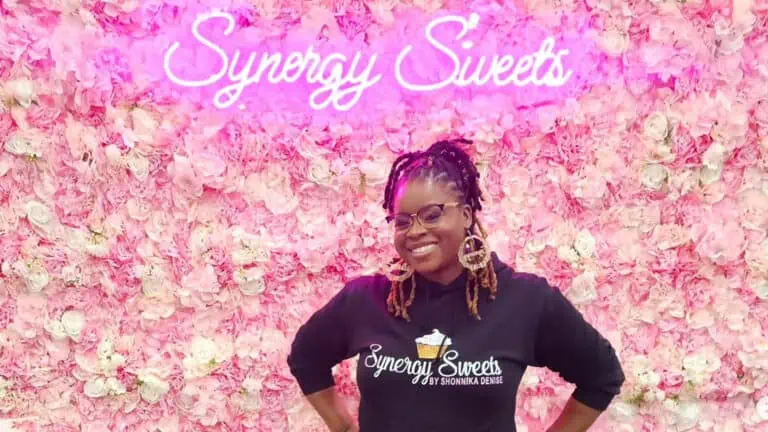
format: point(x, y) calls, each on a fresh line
point(332, 410)
point(320, 344)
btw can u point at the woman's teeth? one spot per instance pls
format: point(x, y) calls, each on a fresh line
point(424, 250)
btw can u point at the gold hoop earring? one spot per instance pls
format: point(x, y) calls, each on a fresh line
point(469, 257)
point(398, 271)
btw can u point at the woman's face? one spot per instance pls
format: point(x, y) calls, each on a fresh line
point(431, 250)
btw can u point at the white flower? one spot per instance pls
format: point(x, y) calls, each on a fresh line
point(34, 274)
point(23, 90)
point(73, 322)
point(249, 248)
point(56, 329)
point(375, 171)
point(654, 176)
point(614, 42)
point(248, 398)
point(648, 378)
point(40, 216)
point(713, 162)
point(201, 239)
point(320, 172)
point(144, 125)
point(584, 243)
point(715, 155)
point(105, 349)
point(701, 318)
point(567, 254)
point(251, 280)
point(137, 164)
point(201, 359)
point(152, 387)
point(97, 245)
point(112, 152)
point(583, 288)
point(760, 287)
point(656, 126)
point(701, 365)
point(761, 408)
point(114, 387)
point(28, 142)
point(96, 388)
point(687, 415)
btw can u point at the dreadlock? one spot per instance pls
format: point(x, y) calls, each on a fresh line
point(448, 163)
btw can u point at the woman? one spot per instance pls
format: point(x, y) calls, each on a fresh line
point(428, 362)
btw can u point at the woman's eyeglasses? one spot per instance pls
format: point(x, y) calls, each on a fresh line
point(428, 216)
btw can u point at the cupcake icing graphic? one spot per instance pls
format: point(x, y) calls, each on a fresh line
point(428, 346)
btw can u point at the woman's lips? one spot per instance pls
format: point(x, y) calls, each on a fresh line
point(423, 250)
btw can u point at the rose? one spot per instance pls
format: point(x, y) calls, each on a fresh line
point(320, 172)
point(654, 176)
point(39, 216)
point(656, 126)
point(584, 243)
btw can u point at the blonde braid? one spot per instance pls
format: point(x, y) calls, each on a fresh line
point(485, 278)
point(396, 303)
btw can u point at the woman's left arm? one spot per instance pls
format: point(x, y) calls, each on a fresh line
point(566, 343)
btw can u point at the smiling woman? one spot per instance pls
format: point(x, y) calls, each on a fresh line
point(424, 349)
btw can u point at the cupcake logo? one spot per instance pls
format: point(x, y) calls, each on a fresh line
point(433, 345)
point(437, 363)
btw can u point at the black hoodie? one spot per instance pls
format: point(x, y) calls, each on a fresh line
point(405, 387)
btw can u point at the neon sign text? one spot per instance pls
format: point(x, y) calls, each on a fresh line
point(340, 80)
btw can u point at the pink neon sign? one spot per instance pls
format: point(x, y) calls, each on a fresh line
point(228, 65)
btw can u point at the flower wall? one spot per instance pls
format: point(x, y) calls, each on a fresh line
point(158, 256)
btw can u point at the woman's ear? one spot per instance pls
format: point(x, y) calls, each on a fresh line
point(467, 214)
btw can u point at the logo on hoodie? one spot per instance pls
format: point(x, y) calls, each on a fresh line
point(438, 362)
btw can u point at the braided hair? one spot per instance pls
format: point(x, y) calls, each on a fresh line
point(449, 164)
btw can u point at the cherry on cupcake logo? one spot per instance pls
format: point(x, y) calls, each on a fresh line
point(438, 363)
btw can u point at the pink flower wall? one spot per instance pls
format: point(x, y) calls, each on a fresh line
point(159, 255)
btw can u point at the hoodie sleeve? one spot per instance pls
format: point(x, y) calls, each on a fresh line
point(321, 343)
point(566, 343)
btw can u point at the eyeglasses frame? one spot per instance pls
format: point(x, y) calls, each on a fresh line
point(416, 217)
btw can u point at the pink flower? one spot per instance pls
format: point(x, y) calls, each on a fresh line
point(721, 244)
point(185, 177)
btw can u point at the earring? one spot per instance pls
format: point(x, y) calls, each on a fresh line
point(398, 271)
point(471, 258)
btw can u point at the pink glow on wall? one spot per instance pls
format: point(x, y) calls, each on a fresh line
point(451, 55)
